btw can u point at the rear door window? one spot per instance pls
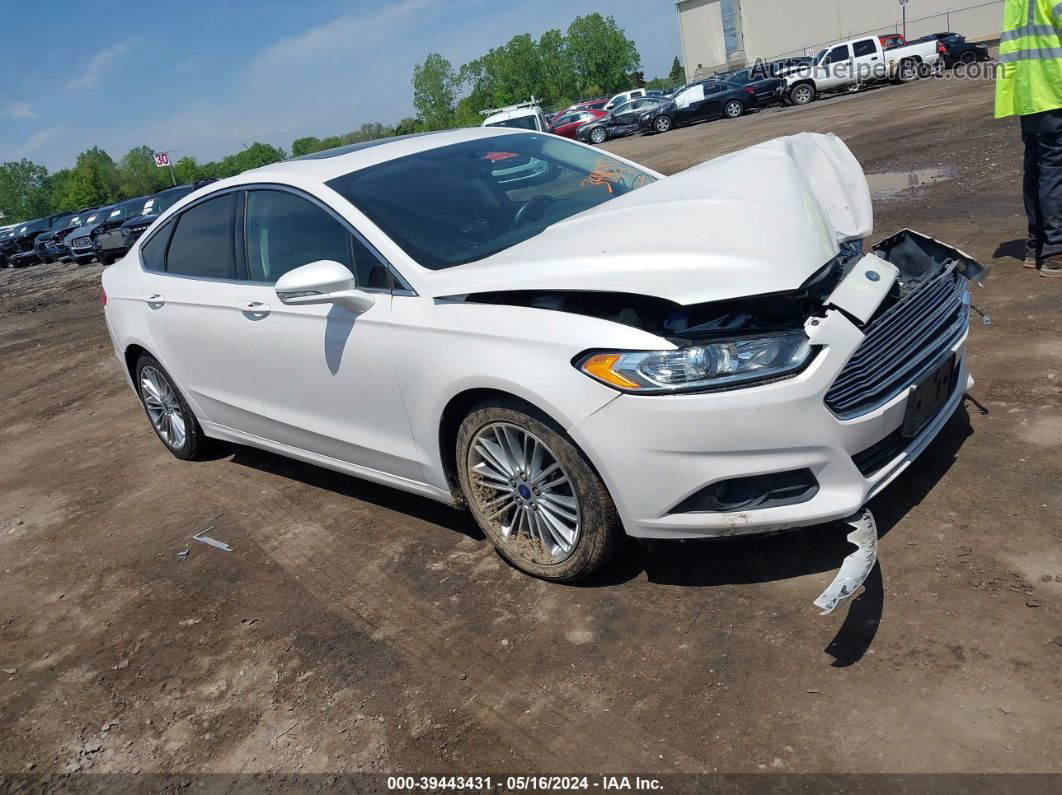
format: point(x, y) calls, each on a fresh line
point(864, 48)
point(204, 242)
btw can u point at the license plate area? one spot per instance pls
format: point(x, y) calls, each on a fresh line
point(929, 396)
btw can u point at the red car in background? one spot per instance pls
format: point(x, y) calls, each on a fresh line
point(568, 121)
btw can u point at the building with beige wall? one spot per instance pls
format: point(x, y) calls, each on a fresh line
point(716, 34)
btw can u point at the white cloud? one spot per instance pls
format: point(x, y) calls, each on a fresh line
point(18, 110)
point(31, 144)
point(95, 67)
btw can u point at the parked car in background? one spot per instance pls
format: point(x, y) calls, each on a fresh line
point(855, 62)
point(622, 120)
point(18, 248)
point(51, 244)
point(700, 101)
point(567, 124)
point(155, 204)
point(766, 89)
point(109, 242)
point(523, 116)
point(82, 241)
point(892, 40)
point(957, 50)
point(624, 97)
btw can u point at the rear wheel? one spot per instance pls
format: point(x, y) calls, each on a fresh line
point(662, 124)
point(533, 493)
point(169, 414)
point(733, 109)
point(598, 135)
point(802, 94)
point(908, 71)
point(968, 57)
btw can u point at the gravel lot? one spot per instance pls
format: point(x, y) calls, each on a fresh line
point(356, 628)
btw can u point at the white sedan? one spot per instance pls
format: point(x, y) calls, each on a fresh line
point(587, 352)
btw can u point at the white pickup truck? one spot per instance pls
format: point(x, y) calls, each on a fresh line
point(855, 62)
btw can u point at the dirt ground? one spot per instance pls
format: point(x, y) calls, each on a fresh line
point(356, 628)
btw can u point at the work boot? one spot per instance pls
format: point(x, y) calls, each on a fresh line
point(1051, 267)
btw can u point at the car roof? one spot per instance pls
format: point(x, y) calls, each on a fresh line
point(331, 163)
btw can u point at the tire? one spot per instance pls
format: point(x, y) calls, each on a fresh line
point(968, 57)
point(908, 71)
point(662, 124)
point(556, 520)
point(598, 135)
point(802, 94)
point(733, 109)
point(107, 259)
point(172, 406)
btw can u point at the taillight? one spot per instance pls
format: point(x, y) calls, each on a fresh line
point(750, 90)
point(941, 48)
point(103, 295)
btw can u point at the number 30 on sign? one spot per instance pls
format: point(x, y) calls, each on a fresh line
point(162, 159)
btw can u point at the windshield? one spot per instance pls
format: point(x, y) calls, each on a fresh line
point(820, 55)
point(520, 122)
point(461, 203)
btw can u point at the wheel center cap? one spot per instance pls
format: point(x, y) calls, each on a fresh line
point(524, 491)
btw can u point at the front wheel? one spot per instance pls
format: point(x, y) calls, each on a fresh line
point(169, 414)
point(534, 494)
point(662, 124)
point(733, 109)
point(598, 135)
point(802, 94)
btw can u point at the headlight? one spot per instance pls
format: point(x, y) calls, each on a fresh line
point(723, 363)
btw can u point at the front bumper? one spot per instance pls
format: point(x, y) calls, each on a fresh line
point(655, 452)
point(23, 259)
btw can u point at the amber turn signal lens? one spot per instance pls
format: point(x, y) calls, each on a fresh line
point(600, 367)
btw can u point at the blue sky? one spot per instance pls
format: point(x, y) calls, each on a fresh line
point(202, 77)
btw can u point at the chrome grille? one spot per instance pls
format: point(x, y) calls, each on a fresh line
point(81, 242)
point(901, 345)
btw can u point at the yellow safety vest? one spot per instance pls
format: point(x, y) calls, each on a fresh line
point(1030, 58)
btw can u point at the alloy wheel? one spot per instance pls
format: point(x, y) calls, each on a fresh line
point(163, 408)
point(597, 135)
point(524, 492)
point(733, 109)
point(802, 95)
point(662, 124)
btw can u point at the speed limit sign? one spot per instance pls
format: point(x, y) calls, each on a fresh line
point(162, 159)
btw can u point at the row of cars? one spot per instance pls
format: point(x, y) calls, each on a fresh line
point(848, 65)
point(104, 233)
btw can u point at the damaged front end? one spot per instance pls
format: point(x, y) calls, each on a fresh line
point(893, 316)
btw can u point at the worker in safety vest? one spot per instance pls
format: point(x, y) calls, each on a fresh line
point(1029, 85)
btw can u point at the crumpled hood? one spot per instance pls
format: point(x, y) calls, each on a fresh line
point(757, 221)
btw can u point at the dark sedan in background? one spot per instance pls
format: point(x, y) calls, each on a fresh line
point(109, 242)
point(623, 120)
point(18, 248)
point(700, 101)
point(51, 244)
point(957, 49)
point(154, 206)
point(767, 89)
point(82, 241)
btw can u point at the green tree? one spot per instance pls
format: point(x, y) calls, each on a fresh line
point(305, 146)
point(435, 91)
point(138, 175)
point(254, 156)
point(186, 170)
point(602, 55)
point(93, 180)
point(58, 183)
point(558, 71)
point(24, 191)
point(677, 74)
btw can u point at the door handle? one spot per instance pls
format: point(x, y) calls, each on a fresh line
point(156, 300)
point(254, 308)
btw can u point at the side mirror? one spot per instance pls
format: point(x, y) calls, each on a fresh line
point(323, 282)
